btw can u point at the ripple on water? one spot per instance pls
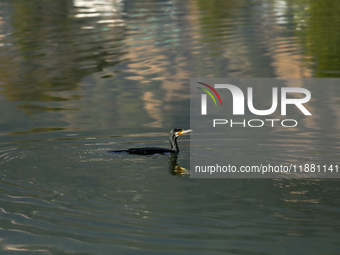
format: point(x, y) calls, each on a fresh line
point(67, 195)
point(72, 192)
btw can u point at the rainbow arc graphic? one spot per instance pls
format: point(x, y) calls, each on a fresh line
point(209, 93)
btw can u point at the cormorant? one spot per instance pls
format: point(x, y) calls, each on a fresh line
point(174, 133)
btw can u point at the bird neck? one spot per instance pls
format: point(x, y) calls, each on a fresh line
point(173, 143)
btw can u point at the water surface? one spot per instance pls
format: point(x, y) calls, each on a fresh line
point(80, 77)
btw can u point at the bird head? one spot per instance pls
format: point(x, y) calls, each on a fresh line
point(176, 132)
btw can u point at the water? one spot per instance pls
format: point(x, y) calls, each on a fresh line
point(80, 77)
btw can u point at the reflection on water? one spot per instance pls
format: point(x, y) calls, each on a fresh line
point(174, 168)
point(134, 58)
point(80, 77)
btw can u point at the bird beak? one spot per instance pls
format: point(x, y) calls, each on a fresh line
point(184, 131)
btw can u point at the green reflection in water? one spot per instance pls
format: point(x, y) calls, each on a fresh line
point(51, 52)
point(37, 130)
point(33, 109)
point(319, 30)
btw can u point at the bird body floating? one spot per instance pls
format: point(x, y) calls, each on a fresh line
point(174, 134)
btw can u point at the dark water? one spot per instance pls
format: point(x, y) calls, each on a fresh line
point(80, 77)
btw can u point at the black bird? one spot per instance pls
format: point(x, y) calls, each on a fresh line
point(174, 133)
